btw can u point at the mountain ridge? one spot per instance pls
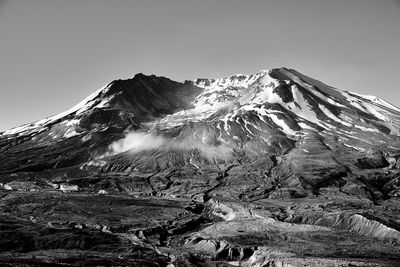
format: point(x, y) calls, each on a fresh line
point(273, 168)
point(267, 112)
point(234, 80)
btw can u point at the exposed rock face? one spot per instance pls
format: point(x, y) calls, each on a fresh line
point(270, 169)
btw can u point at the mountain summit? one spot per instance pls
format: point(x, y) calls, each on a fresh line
point(265, 113)
point(269, 159)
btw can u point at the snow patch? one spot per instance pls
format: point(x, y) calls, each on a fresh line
point(79, 108)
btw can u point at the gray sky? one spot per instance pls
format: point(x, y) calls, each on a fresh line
point(54, 53)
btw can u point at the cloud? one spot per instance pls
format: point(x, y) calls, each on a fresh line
point(135, 142)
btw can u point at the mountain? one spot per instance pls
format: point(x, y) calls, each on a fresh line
point(269, 168)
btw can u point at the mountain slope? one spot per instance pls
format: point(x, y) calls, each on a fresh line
point(270, 168)
point(92, 124)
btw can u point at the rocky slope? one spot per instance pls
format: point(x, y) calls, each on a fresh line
point(270, 169)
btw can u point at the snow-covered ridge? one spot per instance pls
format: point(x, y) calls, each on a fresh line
point(307, 101)
point(241, 80)
point(82, 106)
point(315, 105)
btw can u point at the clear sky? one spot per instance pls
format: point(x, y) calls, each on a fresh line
point(54, 53)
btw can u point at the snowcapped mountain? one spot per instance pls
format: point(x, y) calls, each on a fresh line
point(286, 101)
point(273, 168)
point(268, 112)
point(310, 103)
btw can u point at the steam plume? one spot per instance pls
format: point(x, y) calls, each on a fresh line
point(135, 142)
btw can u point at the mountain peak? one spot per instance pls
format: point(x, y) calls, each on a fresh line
point(281, 156)
point(305, 102)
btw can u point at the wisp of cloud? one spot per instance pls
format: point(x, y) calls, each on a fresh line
point(135, 142)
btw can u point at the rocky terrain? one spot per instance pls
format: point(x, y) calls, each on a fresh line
point(269, 169)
